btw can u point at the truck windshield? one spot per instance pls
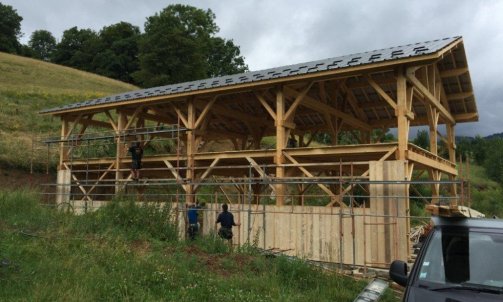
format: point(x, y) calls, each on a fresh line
point(462, 256)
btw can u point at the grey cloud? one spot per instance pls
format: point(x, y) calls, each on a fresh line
point(280, 32)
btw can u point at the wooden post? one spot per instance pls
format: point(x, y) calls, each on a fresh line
point(401, 114)
point(280, 144)
point(191, 142)
point(120, 148)
point(451, 145)
point(433, 126)
point(63, 147)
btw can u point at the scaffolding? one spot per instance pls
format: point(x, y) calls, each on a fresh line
point(353, 232)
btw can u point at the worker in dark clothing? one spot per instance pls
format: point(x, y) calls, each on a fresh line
point(192, 214)
point(136, 156)
point(226, 220)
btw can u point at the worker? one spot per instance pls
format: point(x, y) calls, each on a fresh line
point(192, 215)
point(136, 155)
point(226, 220)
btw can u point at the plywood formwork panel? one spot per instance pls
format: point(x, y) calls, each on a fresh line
point(388, 206)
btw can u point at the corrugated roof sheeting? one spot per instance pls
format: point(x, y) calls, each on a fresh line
point(365, 58)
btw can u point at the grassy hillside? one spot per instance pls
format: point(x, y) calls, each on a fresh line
point(486, 194)
point(26, 87)
point(124, 252)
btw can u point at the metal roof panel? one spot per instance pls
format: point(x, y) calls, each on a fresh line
point(369, 57)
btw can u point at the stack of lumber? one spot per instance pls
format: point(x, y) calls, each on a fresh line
point(453, 211)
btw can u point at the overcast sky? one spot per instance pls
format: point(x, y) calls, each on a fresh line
point(273, 33)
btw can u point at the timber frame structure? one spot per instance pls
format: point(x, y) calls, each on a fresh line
point(354, 98)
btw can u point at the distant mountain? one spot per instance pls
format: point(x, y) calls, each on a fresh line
point(470, 138)
point(495, 135)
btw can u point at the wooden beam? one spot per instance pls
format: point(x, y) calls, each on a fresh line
point(353, 102)
point(429, 97)
point(281, 137)
point(91, 122)
point(266, 105)
point(207, 172)
point(381, 92)
point(335, 198)
point(316, 105)
point(300, 97)
point(133, 117)
point(72, 127)
point(111, 121)
point(204, 113)
point(402, 121)
point(453, 72)
point(431, 163)
point(181, 116)
point(459, 96)
point(240, 116)
point(110, 168)
point(175, 173)
point(261, 172)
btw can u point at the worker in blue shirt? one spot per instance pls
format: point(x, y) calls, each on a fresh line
point(226, 220)
point(192, 214)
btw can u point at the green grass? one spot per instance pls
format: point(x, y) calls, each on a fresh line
point(486, 194)
point(28, 86)
point(125, 252)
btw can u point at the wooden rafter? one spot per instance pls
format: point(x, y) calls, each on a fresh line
point(316, 105)
point(410, 74)
point(205, 112)
point(266, 106)
point(111, 121)
point(298, 99)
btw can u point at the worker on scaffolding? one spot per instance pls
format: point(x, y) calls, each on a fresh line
point(136, 155)
point(226, 220)
point(192, 217)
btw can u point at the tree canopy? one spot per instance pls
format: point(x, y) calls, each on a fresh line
point(180, 45)
point(10, 29)
point(117, 51)
point(42, 44)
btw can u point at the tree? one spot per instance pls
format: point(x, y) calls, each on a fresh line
point(43, 44)
point(224, 58)
point(494, 159)
point(422, 139)
point(179, 45)
point(77, 48)
point(10, 29)
point(117, 56)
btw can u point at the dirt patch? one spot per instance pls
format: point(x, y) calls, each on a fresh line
point(141, 247)
point(224, 265)
point(16, 179)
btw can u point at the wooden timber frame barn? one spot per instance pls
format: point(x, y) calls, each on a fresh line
point(359, 96)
